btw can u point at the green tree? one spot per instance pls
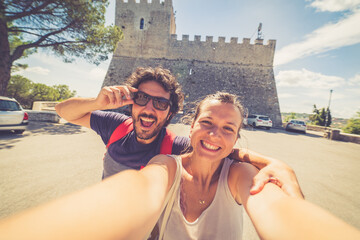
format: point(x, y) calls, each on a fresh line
point(328, 118)
point(19, 87)
point(289, 117)
point(320, 116)
point(64, 92)
point(353, 125)
point(67, 28)
point(42, 92)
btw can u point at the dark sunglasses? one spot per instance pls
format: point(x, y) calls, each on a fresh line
point(159, 103)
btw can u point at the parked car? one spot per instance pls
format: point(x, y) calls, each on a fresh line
point(256, 120)
point(297, 125)
point(12, 116)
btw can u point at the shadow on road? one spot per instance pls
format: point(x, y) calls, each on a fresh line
point(8, 139)
point(37, 128)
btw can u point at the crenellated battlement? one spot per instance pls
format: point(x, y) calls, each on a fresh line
point(221, 51)
point(156, 3)
point(209, 40)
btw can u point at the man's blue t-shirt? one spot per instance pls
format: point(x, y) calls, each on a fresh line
point(128, 151)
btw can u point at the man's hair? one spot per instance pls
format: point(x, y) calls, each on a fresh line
point(165, 79)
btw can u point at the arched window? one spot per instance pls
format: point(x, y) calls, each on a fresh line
point(142, 23)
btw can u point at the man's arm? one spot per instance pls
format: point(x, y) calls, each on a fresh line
point(78, 110)
point(271, 170)
point(275, 215)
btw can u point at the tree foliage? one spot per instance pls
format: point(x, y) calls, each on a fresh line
point(26, 92)
point(321, 117)
point(67, 28)
point(353, 125)
point(289, 117)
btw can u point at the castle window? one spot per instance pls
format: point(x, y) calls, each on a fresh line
point(142, 23)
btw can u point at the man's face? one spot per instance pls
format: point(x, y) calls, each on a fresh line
point(148, 121)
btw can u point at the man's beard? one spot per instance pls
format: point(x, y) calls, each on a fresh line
point(145, 135)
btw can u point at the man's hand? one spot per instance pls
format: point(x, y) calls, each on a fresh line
point(271, 170)
point(78, 110)
point(114, 97)
point(280, 174)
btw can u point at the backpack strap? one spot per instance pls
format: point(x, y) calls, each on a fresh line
point(121, 131)
point(167, 142)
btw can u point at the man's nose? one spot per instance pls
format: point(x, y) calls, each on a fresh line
point(149, 105)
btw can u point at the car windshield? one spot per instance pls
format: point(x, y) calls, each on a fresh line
point(9, 106)
point(264, 118)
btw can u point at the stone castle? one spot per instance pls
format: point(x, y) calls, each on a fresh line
point(201, 67)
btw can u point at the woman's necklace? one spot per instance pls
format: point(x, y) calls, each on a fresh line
point(216, 175)
point(201, 200)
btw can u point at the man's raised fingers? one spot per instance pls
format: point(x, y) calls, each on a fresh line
point(259, 182)
point(117, 94)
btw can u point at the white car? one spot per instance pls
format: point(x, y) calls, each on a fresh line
point(297, 125)
point(12, 116)
point(256, 120)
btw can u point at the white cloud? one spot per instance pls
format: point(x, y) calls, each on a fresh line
point(346, 32)
point(37, 70)
point(355, 81)
point(307, 79)
point(335, 5)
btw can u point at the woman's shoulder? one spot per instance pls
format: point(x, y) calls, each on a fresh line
point(242, 170)
point(170, 162)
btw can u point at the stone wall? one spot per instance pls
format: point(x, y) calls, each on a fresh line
point(44, 105)
point(43, 116)
point(254, 85)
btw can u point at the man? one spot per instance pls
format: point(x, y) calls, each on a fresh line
point(154, 97)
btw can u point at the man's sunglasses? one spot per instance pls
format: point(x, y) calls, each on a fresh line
point(159, 103)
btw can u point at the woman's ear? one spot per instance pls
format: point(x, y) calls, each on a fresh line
point(191, 128)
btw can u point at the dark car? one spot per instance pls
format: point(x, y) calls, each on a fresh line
point(12, 116)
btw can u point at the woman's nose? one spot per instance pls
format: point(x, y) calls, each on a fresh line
point(214, 131)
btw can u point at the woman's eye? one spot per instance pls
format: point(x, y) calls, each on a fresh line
point(206, 122)
point(229, 129)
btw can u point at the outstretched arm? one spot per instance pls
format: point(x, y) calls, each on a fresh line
point(124, 206)
point(78, 110)
point(271, 170)
point(276, 215)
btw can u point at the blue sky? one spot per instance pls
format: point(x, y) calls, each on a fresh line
point(317, 48)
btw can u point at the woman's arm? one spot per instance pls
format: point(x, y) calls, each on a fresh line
point(275, 215)
point(124, 206)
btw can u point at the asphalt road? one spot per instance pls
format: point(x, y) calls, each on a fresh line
point(51, 160)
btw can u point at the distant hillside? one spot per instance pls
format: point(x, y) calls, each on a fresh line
point(336, 122)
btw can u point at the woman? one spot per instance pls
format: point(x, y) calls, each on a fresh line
point(199, 196)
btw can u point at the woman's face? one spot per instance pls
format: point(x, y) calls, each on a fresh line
point(215, 131)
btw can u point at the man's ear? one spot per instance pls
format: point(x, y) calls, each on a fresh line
point(169, 116)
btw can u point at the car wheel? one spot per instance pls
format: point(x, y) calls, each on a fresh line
point(19, 131)
point(254, 124)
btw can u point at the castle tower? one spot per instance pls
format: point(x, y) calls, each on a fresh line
point(201, 67)
point(146, 26)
